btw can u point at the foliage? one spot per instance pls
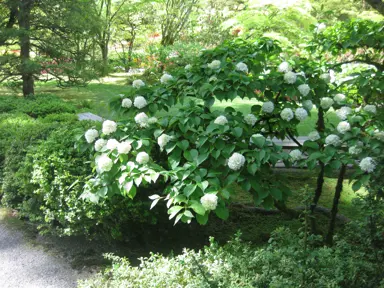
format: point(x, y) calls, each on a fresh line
point(284, 262)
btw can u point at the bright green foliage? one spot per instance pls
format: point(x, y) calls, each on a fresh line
point(284, 262)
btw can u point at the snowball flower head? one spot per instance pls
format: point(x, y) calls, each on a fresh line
point(250, 119)
point(152, 120)
point(367, 165)
point(284, 67)
point(301, 114)
point(139, 102)
point(104, 163)
point(127, 103)
point(307, 105)
point(236, 161)
point(287, 114)
point(290, 77)
point(138, 83)
point(326, 103)
point(142, 158)
point(212, 79)
point(141, 119)
point(214, 65)
point(343, 127)
point(221, 120)
point(370, 109)
point(209, 201)
point(333, 140)
point(109, 127)
point(112, 144)
point(379, 135)
point(339, 98)
point(163, 141)
point(355, 150)
point(343, 112)
point(314, 136)
point(304, 89)
point(296, 155)
point(268, 107)
point(99, 144)
point(320, 27)
point(326, 77)
point(166, 78)
point(124, 147)
point(91, 135)
point(242, 67)
point(188, 67)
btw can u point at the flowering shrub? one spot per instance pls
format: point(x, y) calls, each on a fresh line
point(193, 151)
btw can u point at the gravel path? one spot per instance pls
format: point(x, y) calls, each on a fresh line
point(25, 266)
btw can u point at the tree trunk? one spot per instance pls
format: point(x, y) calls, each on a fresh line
point(320, 178)
point(378, 5)
point(104, 55)
point(336, 199)
point(25, 8)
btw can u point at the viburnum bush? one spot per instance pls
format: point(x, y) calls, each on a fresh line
point(169, 137)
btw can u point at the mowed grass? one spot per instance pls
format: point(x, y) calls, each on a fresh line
point(97, 94)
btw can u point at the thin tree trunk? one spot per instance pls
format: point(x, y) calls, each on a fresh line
point(104, 55)
point(336, 199)
point(25, 8)
point(320, 178)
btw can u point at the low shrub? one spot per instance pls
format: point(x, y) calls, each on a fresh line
point(284, 262)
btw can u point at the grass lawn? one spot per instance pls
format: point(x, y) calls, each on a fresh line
point(96, 96)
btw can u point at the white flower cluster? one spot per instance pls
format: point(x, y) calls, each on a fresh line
point(236, 161)
point(127, 103)
point(284, 67)
point(99, 144)
point(290, 77)
point(296, 155)
point(250, 119)
point(166, 78)
point(124, 147)
point(379, 135)
point(314, 136)
point(109, 127)
point(112, 144)
point(308, 105)
point(343, 127)
point(339, 98)
point(141, 119)
point(333, 140)
point(268, 107)
point(304, 89)
point(355, 150)
point(287, 114)
point(367, 165)
point(301, 114)
point(142, 158)
point(163, 141)
point(326, 103)
point(221, 120)
point(214, 65)
point(343, 112)
point(139, 102)
point(104, 163)
point(152, 120)
point(138, 83)
point(173, 54)
point(242, 67)
point(209, 201)
point(370, 109)
point(188, 67)
point(91, 135)
point(326, 77)
point(320, 27)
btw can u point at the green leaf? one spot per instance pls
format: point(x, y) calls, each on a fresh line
point(311, 144)
point(189, 189)
point(188, 214)
point(356, 186)
point(183, 144)
point(202, 219)
point(237, 132)
point(252, 168)
point(198, 208)
point(201, 158)
point(222, 212)
point(315, 155)
point(258, 141)
point(132, 192)
point(276, 193)
point(173, 211)
point(153, 107)
point(209, 102)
